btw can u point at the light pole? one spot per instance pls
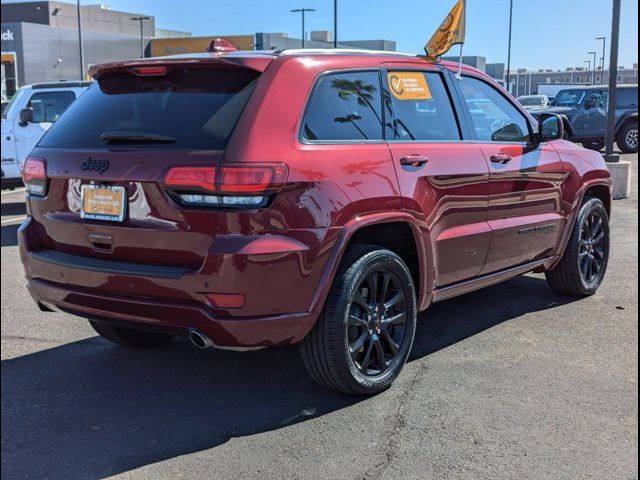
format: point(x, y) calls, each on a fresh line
point(302, 11)
point(509, 47)
point(588, 62)
point(335, 24)
point(613, 73)
point(604, 45)
point(141, 20)
point(593, 74)
point(80, 42)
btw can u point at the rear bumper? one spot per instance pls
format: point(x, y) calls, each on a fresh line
point(174, 299)
point(247, 332)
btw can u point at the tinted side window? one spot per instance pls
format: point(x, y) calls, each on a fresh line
point(599, 98)
point(421, 107)
point(493, 117)
point(345, 106)
point(48, 106)
point(627, 97)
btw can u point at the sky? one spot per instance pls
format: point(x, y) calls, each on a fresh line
point(546, 33)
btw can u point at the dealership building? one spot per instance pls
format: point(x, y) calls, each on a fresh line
point(40, 41)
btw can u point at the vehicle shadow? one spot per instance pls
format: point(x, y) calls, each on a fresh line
point(9, 235)
point(90, 410)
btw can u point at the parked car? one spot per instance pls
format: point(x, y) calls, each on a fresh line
point(584, 111)
point(534, 102)
point(313, 197)
point(29, 114)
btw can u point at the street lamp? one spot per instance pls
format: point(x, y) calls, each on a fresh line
point(509, 47)
point(141, 20)
point(588, 62)
point(303, 11)
point(609, 156)
point(335, 24)
point(593, 74)
point(80, 42)
point(604, 44)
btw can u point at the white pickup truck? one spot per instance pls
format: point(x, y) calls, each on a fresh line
point(29, 114)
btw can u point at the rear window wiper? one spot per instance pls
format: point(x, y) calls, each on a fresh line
point(134, 137)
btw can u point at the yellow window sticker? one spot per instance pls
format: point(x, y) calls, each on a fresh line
point(408, 85)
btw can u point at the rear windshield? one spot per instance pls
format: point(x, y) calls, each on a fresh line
point(189, 108)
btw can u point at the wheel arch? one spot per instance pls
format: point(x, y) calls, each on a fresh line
point(626, 117)
point(397, 231)
point(599, 188)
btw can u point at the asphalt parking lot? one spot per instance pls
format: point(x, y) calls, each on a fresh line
point(509, 382)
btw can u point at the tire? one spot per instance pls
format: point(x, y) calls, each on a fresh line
point(627, 137)
point(597, 146)
point(570, 277)
point(327, 350)
point(129, 337)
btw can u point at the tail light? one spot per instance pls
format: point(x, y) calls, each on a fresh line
point(228, 185)
point(34, 175)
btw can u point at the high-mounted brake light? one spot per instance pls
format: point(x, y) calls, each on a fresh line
point(34, 175)
point(150, 71)
point(228, 185)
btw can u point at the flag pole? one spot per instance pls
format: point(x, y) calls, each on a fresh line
point(464, 19)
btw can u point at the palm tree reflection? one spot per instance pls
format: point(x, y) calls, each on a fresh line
point(364, 94)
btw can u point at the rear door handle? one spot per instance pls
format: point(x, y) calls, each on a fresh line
point(414, 160)
point(500, 158)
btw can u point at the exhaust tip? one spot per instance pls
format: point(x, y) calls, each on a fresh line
point(199, 339)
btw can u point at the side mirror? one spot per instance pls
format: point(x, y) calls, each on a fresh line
point(26, 116)
point(550, 127)
point(590, 103)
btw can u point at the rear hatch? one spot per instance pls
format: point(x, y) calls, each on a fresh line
point(106, 158)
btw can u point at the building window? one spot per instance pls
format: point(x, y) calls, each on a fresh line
point(619, 78)
point(578, 79)
point(598, 79)
point(567, 80)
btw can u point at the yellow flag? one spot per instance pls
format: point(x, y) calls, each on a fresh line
point(450, 32)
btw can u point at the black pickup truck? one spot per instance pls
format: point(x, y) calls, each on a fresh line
point(584, 112)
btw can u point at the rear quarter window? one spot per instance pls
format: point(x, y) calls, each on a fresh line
point(196, 107)
point(344, 106)
point(627, 98)
point(48, 106)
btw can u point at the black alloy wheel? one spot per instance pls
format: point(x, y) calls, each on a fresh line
point(592, 248)
point(376, 326)
point(582, 267)
point(364, 336)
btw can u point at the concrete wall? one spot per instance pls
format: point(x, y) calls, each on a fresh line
point(64, 15)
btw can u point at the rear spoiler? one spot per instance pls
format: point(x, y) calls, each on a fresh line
point(251, 60)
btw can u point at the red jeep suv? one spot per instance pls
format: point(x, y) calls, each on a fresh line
point(258, 199)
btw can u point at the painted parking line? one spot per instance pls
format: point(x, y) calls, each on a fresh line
point(13, 220)
point(16, 190)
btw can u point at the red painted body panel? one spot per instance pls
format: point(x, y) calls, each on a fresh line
point(466, 215)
